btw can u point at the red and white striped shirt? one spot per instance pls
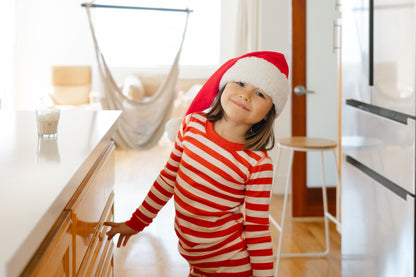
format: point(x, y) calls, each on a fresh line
point(222, 196)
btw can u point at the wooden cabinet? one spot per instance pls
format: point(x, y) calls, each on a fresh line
point(77, 244)
point(57, 258)
point(98, 259)
point(91, 206)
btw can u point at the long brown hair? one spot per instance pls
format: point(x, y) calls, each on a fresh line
point(259, 137)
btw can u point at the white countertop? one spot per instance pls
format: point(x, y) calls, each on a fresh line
point(38, 177)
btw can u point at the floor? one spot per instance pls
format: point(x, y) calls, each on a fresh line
point(153, 252)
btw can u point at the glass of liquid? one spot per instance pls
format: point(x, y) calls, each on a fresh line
point(47, 122)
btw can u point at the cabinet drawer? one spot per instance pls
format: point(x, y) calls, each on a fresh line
point(378, 227)
point(90, 205)
point(54, 256)
point(100, 251)
point(384, 145)
point(108, 268)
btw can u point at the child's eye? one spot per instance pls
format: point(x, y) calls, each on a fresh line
point(260, 94)
point(241, 84)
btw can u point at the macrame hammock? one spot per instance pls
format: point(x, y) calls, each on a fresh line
point(142, 122)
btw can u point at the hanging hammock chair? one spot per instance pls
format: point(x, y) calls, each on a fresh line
point(142, 122)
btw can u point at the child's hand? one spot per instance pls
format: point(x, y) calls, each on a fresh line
point(120, 228)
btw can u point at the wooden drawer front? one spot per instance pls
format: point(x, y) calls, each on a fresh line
point(57, 260)
point(100, 252)
point(108, 269)
point(91, 203)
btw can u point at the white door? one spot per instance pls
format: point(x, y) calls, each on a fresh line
point(322, 33)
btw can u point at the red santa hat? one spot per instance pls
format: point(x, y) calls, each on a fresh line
point(265, 70)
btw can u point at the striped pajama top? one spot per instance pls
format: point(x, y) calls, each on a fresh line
point(222, 196)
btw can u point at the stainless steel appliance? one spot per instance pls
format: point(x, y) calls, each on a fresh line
point(378, 138)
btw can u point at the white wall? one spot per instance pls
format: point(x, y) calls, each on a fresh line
point(7, 35)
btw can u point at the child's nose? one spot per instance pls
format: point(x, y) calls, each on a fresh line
point(245, 95)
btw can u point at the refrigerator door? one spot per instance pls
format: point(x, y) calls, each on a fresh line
point(378, 226)
point(355, 50)
point(394, 55)
point(378, 53)
point(381, 139)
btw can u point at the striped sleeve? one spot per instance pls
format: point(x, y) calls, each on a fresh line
point(162, 189)
point(257, 227)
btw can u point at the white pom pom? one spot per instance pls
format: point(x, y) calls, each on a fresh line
point(172, 128)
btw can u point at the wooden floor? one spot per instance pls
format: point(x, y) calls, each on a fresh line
point(153, 252)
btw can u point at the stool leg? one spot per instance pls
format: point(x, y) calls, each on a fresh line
point(272, 220)
point(282, 222)
point(325, 201)
point(338, 187)
point(327, 215)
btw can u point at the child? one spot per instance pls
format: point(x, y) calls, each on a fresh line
point(219, 172)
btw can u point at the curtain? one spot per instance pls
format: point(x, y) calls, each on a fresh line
point(247, 33)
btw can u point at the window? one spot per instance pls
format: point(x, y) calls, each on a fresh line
point(142, 38)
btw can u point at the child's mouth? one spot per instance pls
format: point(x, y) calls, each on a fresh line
point(240, 105)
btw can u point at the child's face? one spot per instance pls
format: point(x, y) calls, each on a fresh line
point(244, 103)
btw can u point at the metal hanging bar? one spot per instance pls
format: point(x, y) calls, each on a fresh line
point(135, 8)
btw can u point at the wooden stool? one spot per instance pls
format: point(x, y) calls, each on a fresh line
point(305, 144)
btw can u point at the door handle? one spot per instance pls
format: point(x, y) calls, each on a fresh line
point(301, 90)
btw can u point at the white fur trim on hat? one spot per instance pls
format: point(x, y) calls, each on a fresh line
point(261, 74)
